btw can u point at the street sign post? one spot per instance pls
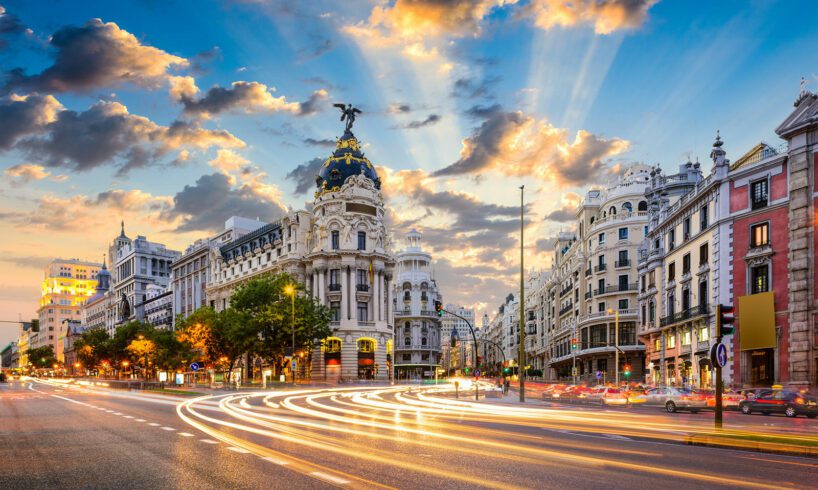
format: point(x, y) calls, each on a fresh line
point(194, 366)
point(719, 355)
point(599, 375)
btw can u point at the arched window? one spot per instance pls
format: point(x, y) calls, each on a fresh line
point(407, 326)
point(366, 345)
point(423, 341)
point(332, 344)
point(627, 207)
point(643, 206)
point(592, 220)
point(612, 211)
point(407, 341)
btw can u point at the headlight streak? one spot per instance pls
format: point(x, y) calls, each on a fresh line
point(232, 405)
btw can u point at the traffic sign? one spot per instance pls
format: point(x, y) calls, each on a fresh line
point(294, 364)
point(718, 355)
point(574, 371)
point(599, 375)
point(194, 366)
point(476, 373)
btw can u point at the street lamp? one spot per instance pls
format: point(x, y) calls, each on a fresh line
point(615, 313)
point(289, 290)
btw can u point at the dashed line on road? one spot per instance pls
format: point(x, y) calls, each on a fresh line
point(127, 416)
point(168, 428)
point(139, 420)
point(117, 413)
point(208, 441)
point(185, 434)
point(154, 424)
point(238, 449)
point(275, 460)
point(329, 478)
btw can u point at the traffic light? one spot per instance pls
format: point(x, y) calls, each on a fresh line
point(506, 370)
point(626, 370)
point(573, 343)
point(439, 308)
point(467, 370)
point(725, 318)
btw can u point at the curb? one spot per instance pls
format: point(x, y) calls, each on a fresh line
point(752, 446)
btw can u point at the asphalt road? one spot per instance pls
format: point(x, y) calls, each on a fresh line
point(70, 437)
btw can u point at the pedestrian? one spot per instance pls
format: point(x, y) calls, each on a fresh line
point(507, 386)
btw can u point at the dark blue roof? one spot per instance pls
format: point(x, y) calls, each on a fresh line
point(258, 238)
point(347, 160)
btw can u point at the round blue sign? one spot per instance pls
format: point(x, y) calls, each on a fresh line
point(719, 355)
point(194, 366)
point(599, 375)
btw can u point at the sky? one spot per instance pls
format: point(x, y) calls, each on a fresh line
point(174, 115)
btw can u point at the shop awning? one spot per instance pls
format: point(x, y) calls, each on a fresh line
point(756, 321)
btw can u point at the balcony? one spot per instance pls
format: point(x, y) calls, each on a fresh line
point(334, 287)
point(760, 203)
point(567, 308)
point(623, 263)
point(600, 267)
point(423, 297)
point(587, 272)
point(362, 288)
point(588, 295)
point(616, 288)
point(684, 315)
point(566, 290)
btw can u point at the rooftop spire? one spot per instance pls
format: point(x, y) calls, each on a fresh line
point(103, 262)
point(122, 232)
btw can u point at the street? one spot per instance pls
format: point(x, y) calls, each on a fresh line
point(400, 437)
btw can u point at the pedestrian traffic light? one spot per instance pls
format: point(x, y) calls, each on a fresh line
point(573, 343)
point(439, 308)
point(725, 318)
point(627, 370)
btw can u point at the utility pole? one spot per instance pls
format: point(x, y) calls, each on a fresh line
point(616, 344)
point(521, 367)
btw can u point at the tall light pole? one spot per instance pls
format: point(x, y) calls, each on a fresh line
point(521, 367)
point(616, 341)
point(289, 290)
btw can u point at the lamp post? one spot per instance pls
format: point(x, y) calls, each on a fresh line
point(289, 290)
point(522, 362)
point(616, 341)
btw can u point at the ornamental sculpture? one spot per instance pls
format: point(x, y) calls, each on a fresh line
point(348, 112)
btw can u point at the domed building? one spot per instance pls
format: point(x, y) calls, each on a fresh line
point(340, 250)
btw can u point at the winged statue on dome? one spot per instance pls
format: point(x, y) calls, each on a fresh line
point(348, 112)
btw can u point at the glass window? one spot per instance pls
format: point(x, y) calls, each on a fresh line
point(336, 240)
point(760, 235)
point(623, 304)
point(657, 344)
point(671, 239)
point(687, 337)
point(671, 341)
point(361, 240)
point(335, 311)
point(686, 264)
point(686, 228)
point(362, 277)
point(623, 233)
point(601, 238)
point(362, 312)
point(704, 334)
point(704, 252)
point(703, 218)
point(759, 194)
point(333, 276)
point(671, 271)
point(759, 279)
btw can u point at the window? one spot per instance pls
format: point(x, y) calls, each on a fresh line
point(759, 194)
point(361, 240)
point(623, 304)
point(657, 344)
point(686, 264)
point(601, 284)
point(424, 357)
point(686, 228)
point(671, 341)
point(361, 275)
point(703, 295)
point(646, 230)
point(623, 233)
point(703, 254)
point(760, 235)
point(601, 307)
point(601, 238)
point(362, 313)
point(760, 279)
point(671, 239)
point(423, 341)
point(652, 311)
point(335, 311)
point(671, 271)
point(407, 341)
point(687, 337)
point(627, 207)
point(333, 277)
point(623, 283)
point(704, 334)
point(703, 218)
point(407, 357)
point(336, 239)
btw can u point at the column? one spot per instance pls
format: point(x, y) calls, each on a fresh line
point(388, 302)
point(380, 296)
point(344, 293)
point(375, 303)
point(321, 287)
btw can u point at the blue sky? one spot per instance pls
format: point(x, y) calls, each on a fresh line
point(463, 101)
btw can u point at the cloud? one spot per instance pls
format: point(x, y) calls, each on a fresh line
point(430, 120)
point(568, 211)
point(472, 89)
point(483, 112)
point(515, 144)
point(324, 143)
point(246, 97)
point(228, 161)
point(104, 134)
point(25, 261)
point(26, 172)
point(606, 16)
point(205, 205)
point(96, 55)
point(23, 115)
point(10, 26)
point(321, 47)
point(304, 175)
point(182, 87)
point(399, 108)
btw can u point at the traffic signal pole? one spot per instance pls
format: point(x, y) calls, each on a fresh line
point(719, 382)
point(440, 310)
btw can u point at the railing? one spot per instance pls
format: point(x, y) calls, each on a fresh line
point(601, 314)
point(623, 263)
point(615, 288)
point(566, 290)
point(567, 308)
point(760, 203)
point(600, 267)
point(365, 323)
point(587, 272)
point(684, 315)
point(334, 287)
point(362, 287)
point(588, 295)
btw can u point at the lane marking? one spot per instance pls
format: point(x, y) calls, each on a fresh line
point(329, 478)
point(618, 437)
point(168, 428)
point(275, 460)
point(185, 434)
point(117, 413)
point(238, 449)
point(110, 411)
point(139, 420)
point(154, 424)
point(208, 441)
point(127, 416)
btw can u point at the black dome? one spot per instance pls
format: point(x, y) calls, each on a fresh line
point(347, 160)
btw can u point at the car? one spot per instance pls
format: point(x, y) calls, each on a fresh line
point(790, 403)
point(613, 396)
point(729, 399)
point(675, 399)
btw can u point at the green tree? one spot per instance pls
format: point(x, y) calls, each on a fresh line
point(93, 347)
point(218, 338)
point(42, 357)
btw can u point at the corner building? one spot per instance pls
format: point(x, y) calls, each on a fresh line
point(340, 250)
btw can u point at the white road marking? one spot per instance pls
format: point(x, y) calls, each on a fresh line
point(208, 441)
point(168, 428)
point(274, 460)
point(117, 413)
point(110, 411)
point(139, 420)
point(185, 434)
point(238, 449)
point(154, 424)
point(127, 416)
point(617, 436)
point(329, 478)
